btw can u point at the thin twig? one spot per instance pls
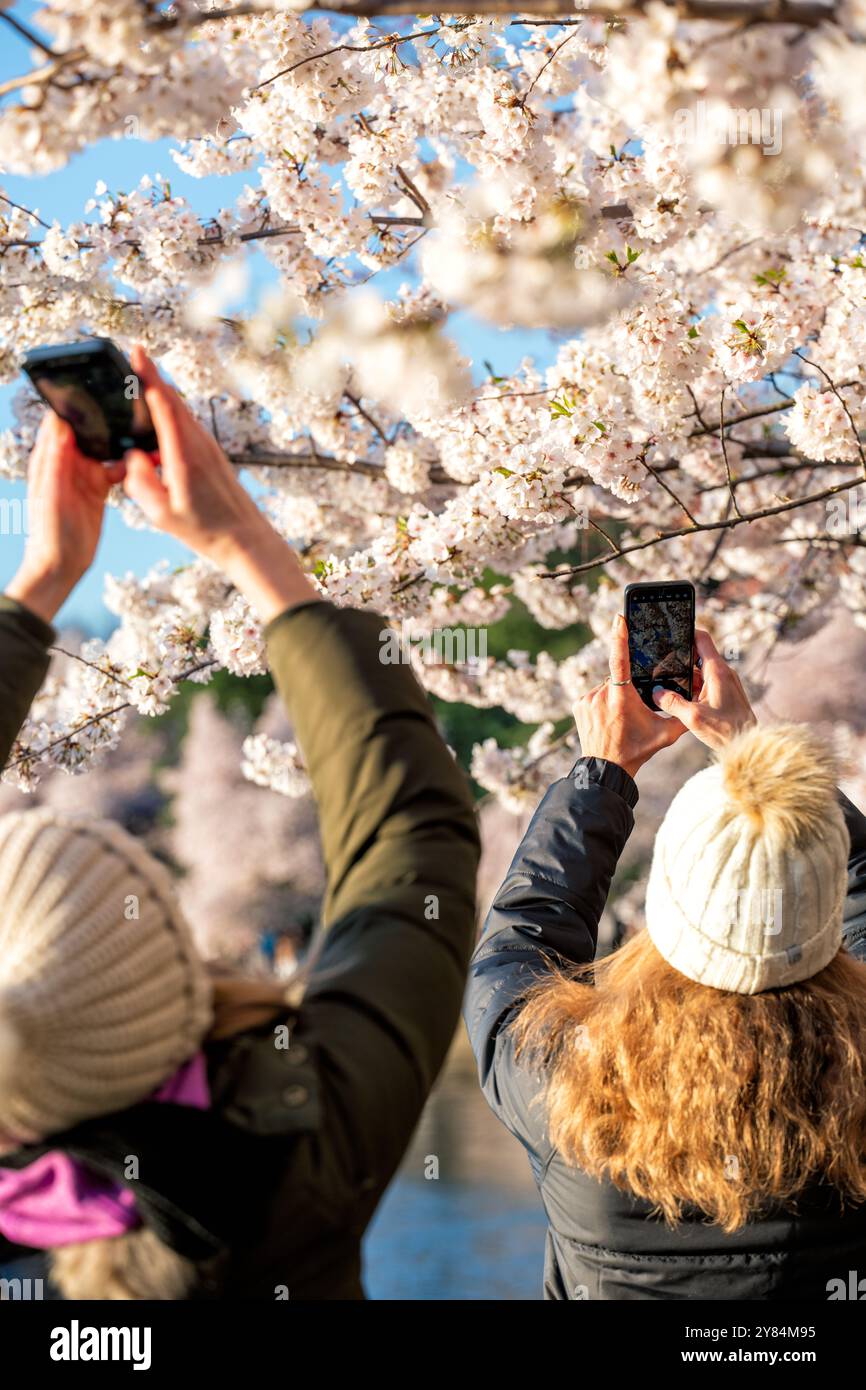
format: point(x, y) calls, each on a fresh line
point(727, 524)
point(76, 656)
point(669, 490)
point(28, 34)
point(38, 753)
point(836, 392)
point(724, 444)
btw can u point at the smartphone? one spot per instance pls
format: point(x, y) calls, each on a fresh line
point(661, 637)
point(92, 385)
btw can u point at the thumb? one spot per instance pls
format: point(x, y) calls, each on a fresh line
point(672, 703)
point(144, 486)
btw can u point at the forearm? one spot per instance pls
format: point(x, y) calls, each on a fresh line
point(264, 568)
point(24, 641)
point(547, 911)
point(395, 810)
point(558, 881)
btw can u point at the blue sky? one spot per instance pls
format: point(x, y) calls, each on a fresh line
point(121, 164)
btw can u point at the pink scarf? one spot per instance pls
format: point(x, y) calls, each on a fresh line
point(56, 1200)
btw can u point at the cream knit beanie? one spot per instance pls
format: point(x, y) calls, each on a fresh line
point(102, 995)
point(749, 872)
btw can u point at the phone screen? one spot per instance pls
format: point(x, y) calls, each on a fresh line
point(661, 633)
point(98, 400)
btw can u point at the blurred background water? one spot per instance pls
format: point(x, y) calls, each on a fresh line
point(474, 1232)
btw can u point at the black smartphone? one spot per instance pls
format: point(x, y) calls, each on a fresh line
point(92, 385)
point(661, 637)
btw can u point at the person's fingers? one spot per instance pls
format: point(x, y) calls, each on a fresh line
point(64, 435)
point(706, 647)
point(672, 703)
point(620, 665)
point(115, 472)
point(161, 401)
point(35, 463)
point(143, 485)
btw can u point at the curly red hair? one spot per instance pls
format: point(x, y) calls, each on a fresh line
point(690, 1096)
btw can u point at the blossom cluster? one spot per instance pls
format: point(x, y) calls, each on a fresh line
point(703, 407)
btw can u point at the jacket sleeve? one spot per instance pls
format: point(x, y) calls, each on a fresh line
point(854, 931)
point(401, 850)
point(546, 914)
point(24, 660)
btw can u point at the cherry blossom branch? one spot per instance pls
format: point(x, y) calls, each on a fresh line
point(836, 392)
point(25, 32)
point(724, 444)
point(669, 490)
point(95, 719)
point(211, 239)
point(807, 13)
point(327, 463)
point(76, 656)
point(727, 524)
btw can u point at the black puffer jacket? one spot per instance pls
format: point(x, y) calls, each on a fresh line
point(601, 1243)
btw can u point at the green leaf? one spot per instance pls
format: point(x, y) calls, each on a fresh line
point(612, 256)
point(773, 276)
point(564, 406)
point(632, 255)
point(693, 332)
point(504, 472)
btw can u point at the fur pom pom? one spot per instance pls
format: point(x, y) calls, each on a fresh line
point(782, 779)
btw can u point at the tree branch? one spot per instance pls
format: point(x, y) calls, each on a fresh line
point(727, 524)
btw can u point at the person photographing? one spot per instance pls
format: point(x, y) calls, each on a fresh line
point(166, 1132)
point(694, 1105)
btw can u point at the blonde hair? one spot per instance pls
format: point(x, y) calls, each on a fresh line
point(691, 1096)
point(136, 1265)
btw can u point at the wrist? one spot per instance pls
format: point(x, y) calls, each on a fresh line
point(234, 547)
point(263, 566)
point(42, 589)
point(629, 765)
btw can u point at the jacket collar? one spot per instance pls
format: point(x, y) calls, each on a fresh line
point(200, 1177)
point(163, 1154)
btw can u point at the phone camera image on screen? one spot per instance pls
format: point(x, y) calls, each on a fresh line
point(661, 639)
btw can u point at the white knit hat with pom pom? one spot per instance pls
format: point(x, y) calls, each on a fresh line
point(749, 873)
point(102, 995)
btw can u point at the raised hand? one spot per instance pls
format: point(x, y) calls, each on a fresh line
point(612, 720)
point(66, 494)
point(721, 708)
point(191, 491)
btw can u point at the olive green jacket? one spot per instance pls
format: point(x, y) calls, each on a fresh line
point(273, 1188)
